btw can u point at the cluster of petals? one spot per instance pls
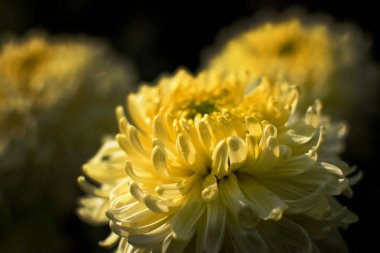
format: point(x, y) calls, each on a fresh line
point(218, 163)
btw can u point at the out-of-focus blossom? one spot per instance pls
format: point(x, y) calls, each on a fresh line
point(326, 60)
point(216, 163)
point(26, 85)
point(49, 125)
point(45, 86)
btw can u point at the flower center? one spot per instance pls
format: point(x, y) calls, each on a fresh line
point(287, 48)
point(200, 107)
point(192, 105)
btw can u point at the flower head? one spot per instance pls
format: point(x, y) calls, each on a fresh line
point(217, 164)
point(286, 50)
point(48, 81)
point(326, 60)
point(24, 85)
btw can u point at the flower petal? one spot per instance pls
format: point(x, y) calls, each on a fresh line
point(173, 245)
point(254, 127)
point(244, 240)
point(190, 155)
point(162, 132)
point(138, 116)
point(306, 203)
point(265, 202)
point(110, 240)
point(297, 134)
point(215, 226)
point(225, 126)
point(285, 236)
point(154, 237)
point(209, 188)
point(185, 221)
point(236, 202)
point(159, 162)
point(205, 135)
point(237, 152)
point(91, 189)
point(220, 160)
point(269, 155)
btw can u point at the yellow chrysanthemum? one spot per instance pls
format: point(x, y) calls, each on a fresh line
point(326, 60)
point(211, 164)
point(31, 75)
point(46, 82)
point(281, 50)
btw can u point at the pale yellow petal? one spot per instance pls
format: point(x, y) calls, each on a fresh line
point(138, 116)
point(185, 221)
point(159, 162)
point(236, 202)
point(220, 160)
point(154, 237)
point(254, 127)
point(237, 152)
point(215, 226)
point(190, 155)
point(173, 245)
point(245, 241)
point(209, 188)
point(265, 202)
point(285, 236)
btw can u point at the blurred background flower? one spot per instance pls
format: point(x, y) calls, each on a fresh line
point(50, 123)
point(48, 83)
point(159, 37)
point(328, 61)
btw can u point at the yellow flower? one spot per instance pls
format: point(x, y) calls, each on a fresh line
point(21, 70)
point(326, 60)
point(46, 82)
point(215, 164)
point(280, 50)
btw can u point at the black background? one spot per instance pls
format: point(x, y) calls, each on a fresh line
point(159, 37)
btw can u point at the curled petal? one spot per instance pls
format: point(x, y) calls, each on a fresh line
point(190, 155)
point(154, 237)
point(220, 165)
point(237, 152)
point(209, 188)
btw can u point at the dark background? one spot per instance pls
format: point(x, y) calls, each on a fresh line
point(159, 37)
